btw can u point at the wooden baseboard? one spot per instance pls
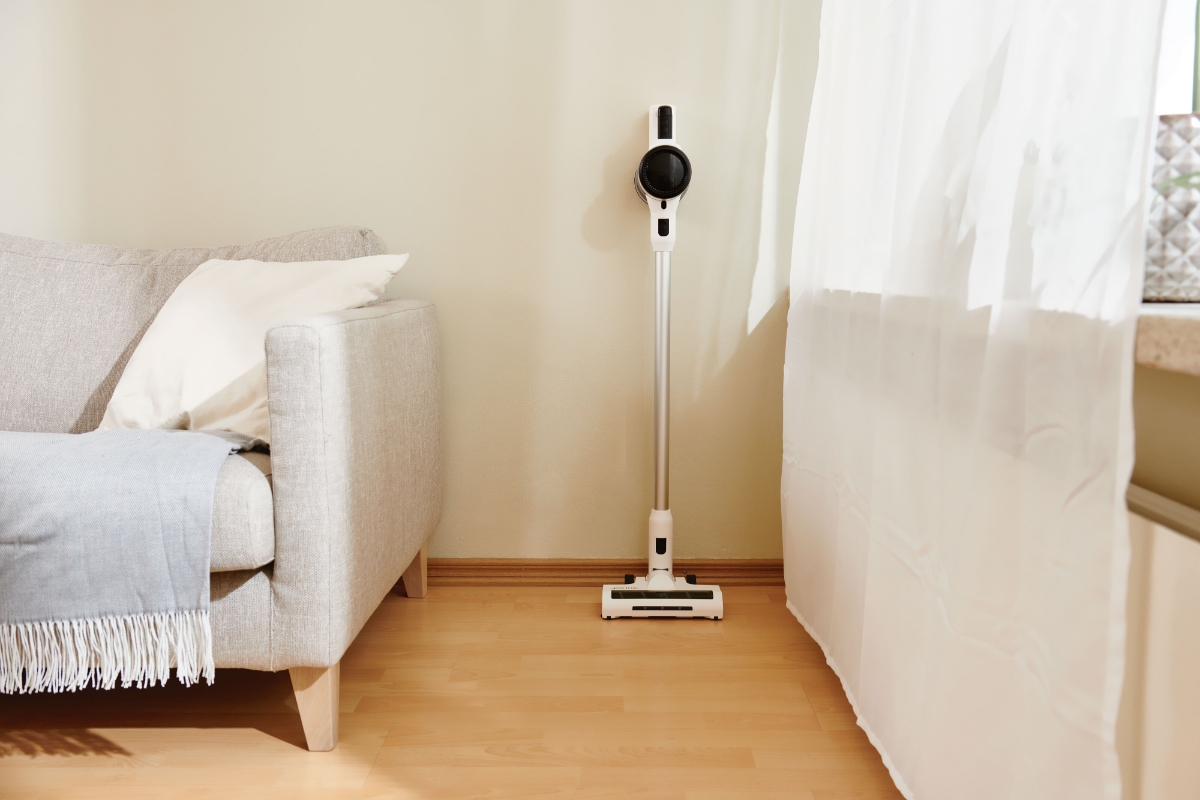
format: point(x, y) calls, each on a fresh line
point(595, 571)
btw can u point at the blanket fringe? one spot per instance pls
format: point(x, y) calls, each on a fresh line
point(139, 649)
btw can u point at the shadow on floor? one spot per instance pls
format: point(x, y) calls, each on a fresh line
point(57, 742)
point(62, 724)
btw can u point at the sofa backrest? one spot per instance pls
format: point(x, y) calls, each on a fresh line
point(72, 314)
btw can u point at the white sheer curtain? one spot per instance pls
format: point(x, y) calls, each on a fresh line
point(957, 435)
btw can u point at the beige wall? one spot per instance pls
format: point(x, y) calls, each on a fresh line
point(1158, 729)
point(495, 141)
point(1166, 407)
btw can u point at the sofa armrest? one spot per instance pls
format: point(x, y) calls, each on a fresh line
point(355, 407)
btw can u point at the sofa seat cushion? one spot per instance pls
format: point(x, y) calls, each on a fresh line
point(243, 526)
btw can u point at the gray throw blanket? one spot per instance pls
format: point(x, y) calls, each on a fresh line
point(104, 556)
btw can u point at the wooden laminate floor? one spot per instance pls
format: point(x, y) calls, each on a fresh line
point(482, 692)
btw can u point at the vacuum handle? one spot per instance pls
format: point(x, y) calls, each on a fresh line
point(662, 379)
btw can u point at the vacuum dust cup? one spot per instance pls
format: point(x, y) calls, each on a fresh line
point(661, 179)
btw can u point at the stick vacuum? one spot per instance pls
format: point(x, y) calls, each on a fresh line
point(661, 179)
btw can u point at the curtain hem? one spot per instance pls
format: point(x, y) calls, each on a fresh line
point(897, 778)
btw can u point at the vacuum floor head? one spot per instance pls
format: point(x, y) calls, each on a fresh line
point(686, 600)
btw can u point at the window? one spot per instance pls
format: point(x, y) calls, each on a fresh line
point(1177, 59)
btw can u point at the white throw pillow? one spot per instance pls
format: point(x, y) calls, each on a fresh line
point(202, 363)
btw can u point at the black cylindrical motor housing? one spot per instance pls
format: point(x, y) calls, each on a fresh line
point(665, 172)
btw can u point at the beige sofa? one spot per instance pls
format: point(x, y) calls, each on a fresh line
point(308, 541)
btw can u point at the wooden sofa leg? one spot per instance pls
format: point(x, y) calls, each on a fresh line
point(317, 692)
point(416, 577)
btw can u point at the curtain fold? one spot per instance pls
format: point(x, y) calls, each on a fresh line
point(966, 269)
